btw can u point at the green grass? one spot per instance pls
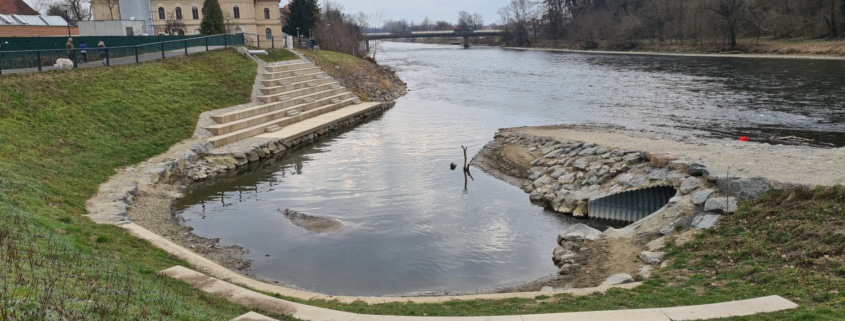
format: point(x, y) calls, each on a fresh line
point(62, 133)
point(278, 55)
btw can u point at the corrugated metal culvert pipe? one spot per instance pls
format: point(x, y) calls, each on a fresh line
point(630, 206)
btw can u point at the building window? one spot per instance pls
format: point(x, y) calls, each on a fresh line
point(195, 13)
point(178, 13)
point(268, 33)
point(161, 13)
point(236, 12)
point(266, 13)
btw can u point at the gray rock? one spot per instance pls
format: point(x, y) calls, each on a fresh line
point(157, 170)
point(554, 154)
point(625, 179)
point(567, 179)
point(633, 157)
point(572, 246)
point(558, 250)
point(656, 244)
point(558, 173)
point(602, 151)
point(696, 169)
point(645, 272)
point(701, 196)
point(658, 174)
point(751, 188)
point(588, 151)
point(638, 180)
point(725, 205)
point(566, 269)
point(543, 181)
point(547, 289)
point(689, 184)
point(617, 279)
point(705, 221)
point(580, 232)
point(537, 195)
point(581, 163)
point(651, 257)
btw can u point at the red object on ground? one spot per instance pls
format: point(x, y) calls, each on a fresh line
point(743, 139)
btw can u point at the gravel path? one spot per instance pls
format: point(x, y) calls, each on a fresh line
point(783, 163)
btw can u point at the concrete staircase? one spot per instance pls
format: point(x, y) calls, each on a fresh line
point(292, 92)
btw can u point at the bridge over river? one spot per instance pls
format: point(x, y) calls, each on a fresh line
point(466, 34)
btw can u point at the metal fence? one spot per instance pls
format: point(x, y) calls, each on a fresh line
point(38, 59)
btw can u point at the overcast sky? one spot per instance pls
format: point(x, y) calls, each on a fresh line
point(416, 11)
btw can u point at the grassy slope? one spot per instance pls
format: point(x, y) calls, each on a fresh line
point(63, 133)
point(358, 75)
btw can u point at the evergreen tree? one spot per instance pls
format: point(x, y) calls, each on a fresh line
point(304, 14)
point(212, 18)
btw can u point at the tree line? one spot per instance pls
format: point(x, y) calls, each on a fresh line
point(625, 24)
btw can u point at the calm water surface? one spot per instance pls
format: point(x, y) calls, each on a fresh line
point(409, 225)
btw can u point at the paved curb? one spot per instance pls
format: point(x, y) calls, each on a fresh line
point(211, 268)
point(254, 299)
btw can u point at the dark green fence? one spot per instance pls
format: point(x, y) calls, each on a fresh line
point(40, 52)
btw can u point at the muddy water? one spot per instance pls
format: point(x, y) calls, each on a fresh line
point(409, 223)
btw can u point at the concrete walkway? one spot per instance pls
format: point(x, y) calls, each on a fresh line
point(252, 299)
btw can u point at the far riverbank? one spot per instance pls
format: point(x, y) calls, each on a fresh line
point(808, 49)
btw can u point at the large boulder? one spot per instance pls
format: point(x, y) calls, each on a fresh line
point(579, 232)
point(706, 221)
point(651, 257)
point(725, 205)
point(617, 279)
point(750, 188)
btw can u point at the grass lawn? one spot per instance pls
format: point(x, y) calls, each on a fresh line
point(62, 133)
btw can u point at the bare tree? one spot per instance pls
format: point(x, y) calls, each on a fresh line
point(41, 5)
point(78, 9)
point(443, 25)
point(464, 20)
point(174, 26)
point(477, 21)
point(730, 11)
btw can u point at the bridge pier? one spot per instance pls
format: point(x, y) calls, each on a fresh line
point(466, 42)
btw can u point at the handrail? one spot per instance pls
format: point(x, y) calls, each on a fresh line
point(24, 57)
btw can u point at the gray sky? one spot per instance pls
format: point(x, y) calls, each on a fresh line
point(416, 11)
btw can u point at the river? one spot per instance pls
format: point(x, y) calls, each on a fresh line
point(409, 223)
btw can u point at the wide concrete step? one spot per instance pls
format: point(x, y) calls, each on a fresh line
point(289, 65)
point(305, 104)
point(294, 79)
point(279, 123)
point(299, 85)
point(308, 88)
point(290, 73)
point(227, 117)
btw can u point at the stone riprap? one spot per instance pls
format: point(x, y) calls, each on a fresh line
point(200, 161)
point(568, 174)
